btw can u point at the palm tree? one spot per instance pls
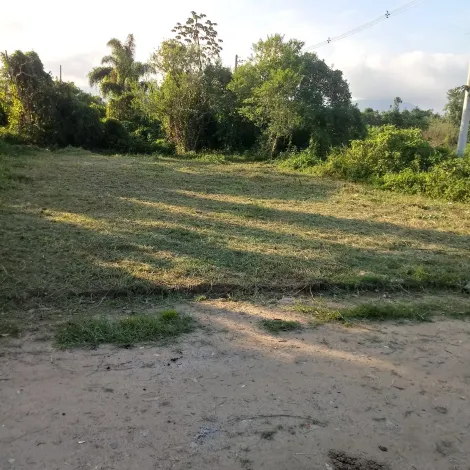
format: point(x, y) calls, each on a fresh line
point(119, 70)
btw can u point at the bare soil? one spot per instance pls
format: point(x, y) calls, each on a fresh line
point(232, 396)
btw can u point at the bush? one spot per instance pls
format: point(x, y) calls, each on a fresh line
point(402, 160)
point(385, 150)
point(164, 147)
point(118, 138)
point(448, 180)
point(115, 135)
point(9, 137)
point(299, 160)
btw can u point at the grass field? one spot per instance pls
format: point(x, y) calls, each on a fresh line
point(74, 223)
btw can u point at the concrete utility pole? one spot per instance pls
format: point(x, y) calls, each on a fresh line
point(463, 136)
point(236, 63)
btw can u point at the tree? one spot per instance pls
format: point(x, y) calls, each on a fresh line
point(45, 111)
point(372, 117)
point(453, 108)
point(192, 89)
point(117, 77)
point(74, 118)
point(26, 87)
point(396, 104)
point(202, 36)
point(294, 98)
point(416, 118)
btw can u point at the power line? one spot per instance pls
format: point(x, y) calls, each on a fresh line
point(358, 29)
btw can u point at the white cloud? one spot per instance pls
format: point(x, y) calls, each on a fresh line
point(75, 37)
point(417, 77)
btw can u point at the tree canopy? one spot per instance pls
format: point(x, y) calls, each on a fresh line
point(183, 98)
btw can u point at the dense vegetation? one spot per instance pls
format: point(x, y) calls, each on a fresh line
point(282, 103)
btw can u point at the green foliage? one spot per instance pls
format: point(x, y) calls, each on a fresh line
point(164, 147)
point(10, 137)
point(125, 331)
point(117, 77)
point(293, 97)
point(73, 119)
point(192, 101)
point(448, 180)
point(415, 119)
point(118, 136)
point(281, 102)
point(26, 89)
point(47, 112)
point(402, 160)
point(300, 160)
point(453, 108)
point(202, 36)
point(385, 150)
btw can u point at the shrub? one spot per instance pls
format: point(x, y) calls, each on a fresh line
point(13, 138)
point(164, 147)
point(385, 150)
point(299, 160)
point(448, 180)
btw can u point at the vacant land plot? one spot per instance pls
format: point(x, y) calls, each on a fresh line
point(77, 223)
point(106, 249)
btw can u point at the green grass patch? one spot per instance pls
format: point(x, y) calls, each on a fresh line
point(9, 328)
point(417, 312)
point(383, 312)
point(318, 313)
point(125, 331)
point(278, 326)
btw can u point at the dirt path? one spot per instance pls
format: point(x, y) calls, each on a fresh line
point(231, 397)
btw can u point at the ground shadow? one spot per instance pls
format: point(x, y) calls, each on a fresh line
point(130, 234)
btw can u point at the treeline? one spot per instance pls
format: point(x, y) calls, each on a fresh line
point(183, 99)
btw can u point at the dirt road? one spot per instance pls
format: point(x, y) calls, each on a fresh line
point(232, 396)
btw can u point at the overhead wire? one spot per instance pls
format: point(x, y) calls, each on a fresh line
point(367, 25)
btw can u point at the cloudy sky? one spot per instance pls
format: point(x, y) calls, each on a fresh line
point(417, 55)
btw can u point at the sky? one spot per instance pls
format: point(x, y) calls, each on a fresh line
point(417, 55)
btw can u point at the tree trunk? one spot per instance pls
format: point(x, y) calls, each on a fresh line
point(274, 147)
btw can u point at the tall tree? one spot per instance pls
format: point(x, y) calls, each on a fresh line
point(26, 86)
point(193, 84)
point(118, 76)
point(293, 97)
point(202, 36)
point(453, 108)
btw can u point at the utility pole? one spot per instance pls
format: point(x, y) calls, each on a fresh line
point(238, 61)
point(463, 136)
point(60, 73)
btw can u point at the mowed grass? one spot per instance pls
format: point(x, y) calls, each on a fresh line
point(74, 223)
point(124, 332)
point(416, 311)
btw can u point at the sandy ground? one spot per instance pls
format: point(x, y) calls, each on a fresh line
point(231, 396)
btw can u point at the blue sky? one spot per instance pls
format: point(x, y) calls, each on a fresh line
point(417, 55)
